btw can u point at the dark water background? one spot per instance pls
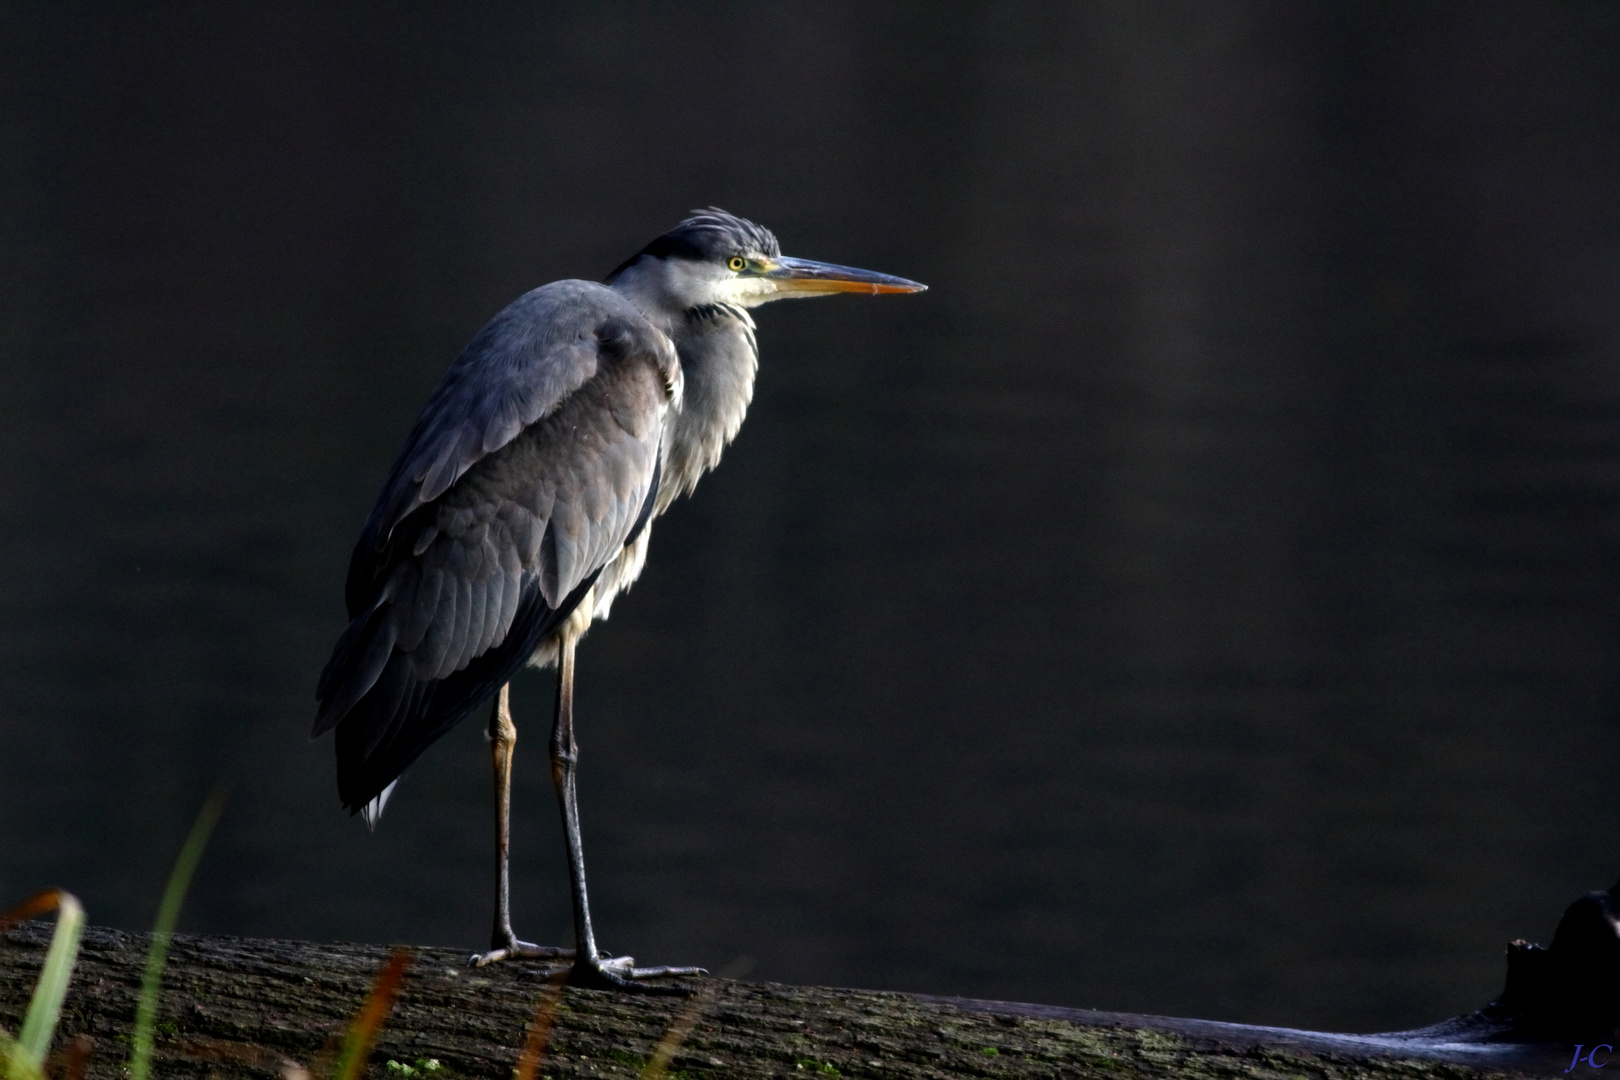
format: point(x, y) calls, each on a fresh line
point(1202, 601)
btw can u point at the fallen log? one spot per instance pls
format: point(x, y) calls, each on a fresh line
point(251, 1007)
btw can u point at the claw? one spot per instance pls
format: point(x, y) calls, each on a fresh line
point(626, 967)
point(666, 971)
point(517, 949)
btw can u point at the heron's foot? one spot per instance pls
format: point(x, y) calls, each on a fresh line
point(514, 949)
point(621, 973)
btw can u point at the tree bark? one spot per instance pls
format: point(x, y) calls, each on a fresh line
point(247, 1007)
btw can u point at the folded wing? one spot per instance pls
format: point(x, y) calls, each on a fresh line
point(529, 469)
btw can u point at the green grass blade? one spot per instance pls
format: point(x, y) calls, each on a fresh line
point(46, 1007)
point(14, 1063)
point(140, 1052)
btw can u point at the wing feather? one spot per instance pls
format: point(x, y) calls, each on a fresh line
point(424, 602)
point(428, 658)
point(455, 656)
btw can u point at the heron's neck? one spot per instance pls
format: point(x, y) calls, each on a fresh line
point(719, 356)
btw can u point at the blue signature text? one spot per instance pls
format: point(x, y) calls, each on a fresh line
point(1591, 1056)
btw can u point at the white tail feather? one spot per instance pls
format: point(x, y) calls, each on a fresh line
point(373, 810)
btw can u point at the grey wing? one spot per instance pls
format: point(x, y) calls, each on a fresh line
point(451, 589)
point(518, 369)
point(545, 512)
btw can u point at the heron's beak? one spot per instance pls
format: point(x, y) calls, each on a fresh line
point(801, 277)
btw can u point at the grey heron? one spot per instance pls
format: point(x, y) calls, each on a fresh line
point(522, 504)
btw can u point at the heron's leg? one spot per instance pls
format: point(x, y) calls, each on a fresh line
point(502, 742)
point(590, 969)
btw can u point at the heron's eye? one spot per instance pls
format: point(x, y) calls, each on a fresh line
point(737, 263)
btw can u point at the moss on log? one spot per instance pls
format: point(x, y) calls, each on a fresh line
point(247, 1007)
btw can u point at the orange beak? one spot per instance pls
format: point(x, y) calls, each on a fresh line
point(796, 277)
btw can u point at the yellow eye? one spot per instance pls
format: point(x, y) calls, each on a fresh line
point(737, 263)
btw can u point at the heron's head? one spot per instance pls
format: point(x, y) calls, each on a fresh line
point(717, 258)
